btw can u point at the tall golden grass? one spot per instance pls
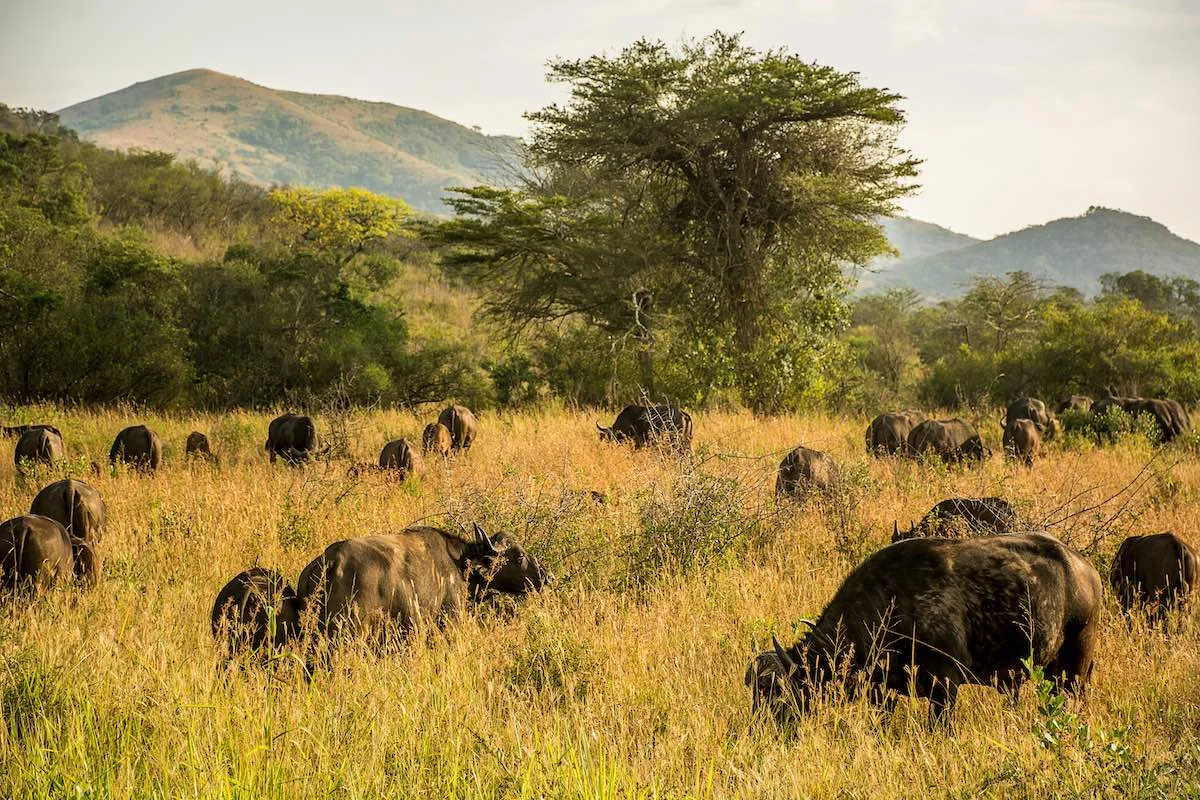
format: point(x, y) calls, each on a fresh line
point(625, 679)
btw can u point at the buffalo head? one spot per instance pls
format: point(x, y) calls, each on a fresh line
point(500, 564)
point(785, 680)
point(606, 434)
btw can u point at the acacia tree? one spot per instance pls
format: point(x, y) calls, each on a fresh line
point(753, 177)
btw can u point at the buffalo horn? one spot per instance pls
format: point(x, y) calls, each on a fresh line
point(481, 538)
point(782, 654)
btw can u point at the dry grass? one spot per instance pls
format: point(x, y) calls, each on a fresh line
point(624, 680)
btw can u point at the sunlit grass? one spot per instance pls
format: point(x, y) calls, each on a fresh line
point(618, 681)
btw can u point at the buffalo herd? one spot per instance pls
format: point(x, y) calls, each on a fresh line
point(970, 594)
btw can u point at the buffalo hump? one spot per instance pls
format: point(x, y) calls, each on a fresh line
point(137, 446)
point(1158, 570)
point(460, 421)
point(888, 433)
point(952, 440)
point(926, 616)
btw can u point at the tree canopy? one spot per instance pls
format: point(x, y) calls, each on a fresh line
point(711, 192)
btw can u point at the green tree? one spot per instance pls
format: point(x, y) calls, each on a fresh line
point(749, 178)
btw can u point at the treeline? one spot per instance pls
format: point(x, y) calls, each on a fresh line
point(1013, 336)
point(279, 293)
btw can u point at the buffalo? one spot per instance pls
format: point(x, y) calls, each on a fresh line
point(436, 440)
point(137, 446)
point(952, 440)
point(76, 506)
point(803, 471)
point(888, 433)
point(39, 445)
point(399, 457)
point(292, 437)
point(645, 425)
point(256, 608)
point(1158, 570)
point(1169, 417)
point(926, 616)
point(958, 516)
point(420, 576)
point(1035, 411)
point(197, 447)
point(36, 551)
point(1023, 440)
point(461, 423)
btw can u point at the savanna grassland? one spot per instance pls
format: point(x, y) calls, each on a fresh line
point(622, 679)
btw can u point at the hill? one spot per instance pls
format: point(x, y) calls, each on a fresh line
point(914, 239)
point(270, 136)
point(1072, 251)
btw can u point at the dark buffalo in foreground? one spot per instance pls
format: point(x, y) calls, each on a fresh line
point(398, 457)
point(197, 446)
point(952, 440)
point(461, 423)
point(256, 608)
point(436, 440)
point(888, 433)
point(39, 445)
point(36, 552)
point(1023, 440)
point(419, 577)
point(1156, 571)
point(646, 425)
point(76, 506)
point(292, 437)
point(957, 517)
point(137, 446)
point(804, 471)
point(927, 616)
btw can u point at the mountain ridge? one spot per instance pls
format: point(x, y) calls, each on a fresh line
point(270, 136)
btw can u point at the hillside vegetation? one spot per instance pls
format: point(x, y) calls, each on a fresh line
point(623, 679)
point(267, 136)
point(1074, 252)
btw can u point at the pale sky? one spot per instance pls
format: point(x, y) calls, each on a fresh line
point(1024, 110)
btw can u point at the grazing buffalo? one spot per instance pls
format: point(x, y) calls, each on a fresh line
point(399, 457)
point(963, 516)
point(1035, 411)
point(803, 471)
point(461, 423)
point(39, 445)
point(953, 440)
point(10, 431)
point(888, 433)
point(137, 446)
point(927, 616)
point(644, 425)
point(1023, 440)
point(1170, 418)
point(436, 440)
point(76, 506)
point(418, 577)
point(36, 551)
point(292, 437)
point(1158, 570)
point(1076, 402)
point(197, 446)
point(256, 608)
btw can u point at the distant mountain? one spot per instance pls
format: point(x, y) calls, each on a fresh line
point(914, 239)
point(271, 136)
point(1072, 251)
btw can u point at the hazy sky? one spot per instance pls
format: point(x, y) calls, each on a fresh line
point(1024, 110)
